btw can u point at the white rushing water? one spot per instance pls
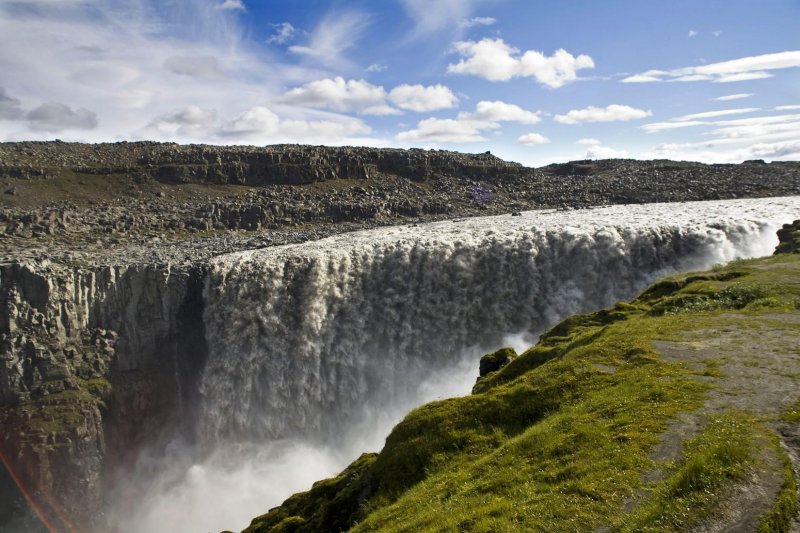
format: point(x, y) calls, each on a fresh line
point(317, 349)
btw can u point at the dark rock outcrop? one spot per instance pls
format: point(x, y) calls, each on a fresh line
point(492, 362)
point(789, 239)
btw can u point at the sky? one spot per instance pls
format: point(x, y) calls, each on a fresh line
point(531, 81)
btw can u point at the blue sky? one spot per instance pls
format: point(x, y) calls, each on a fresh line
point(532, 81)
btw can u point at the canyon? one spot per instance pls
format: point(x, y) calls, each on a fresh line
point(171, 314)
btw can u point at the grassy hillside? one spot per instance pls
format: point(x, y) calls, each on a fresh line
point(677, 411)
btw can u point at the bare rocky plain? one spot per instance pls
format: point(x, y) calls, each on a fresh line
point(102, 250)
point(166, 202)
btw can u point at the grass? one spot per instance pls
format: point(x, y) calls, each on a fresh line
point(719, 454)
point(785, 509)
point(551, 442)
point(792, 415)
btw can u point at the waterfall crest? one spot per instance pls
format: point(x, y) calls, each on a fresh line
point(309, 339)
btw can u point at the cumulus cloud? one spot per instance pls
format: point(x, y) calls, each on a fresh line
point(9, 107)
point(604, 152)
point(336, 33)
point(611, 113)
point(589, 142)
point(469, 127)
point(422, 99)
point(54, 117)
point(283, 33)
point(447, 130)
point(495, 60)
point(533, 139)
point(204, 67)
point(376, 67)
point(730, 97)
point(232, 5)
point(368, 99)
point(338, 94)
point(497, 111)
point(745, 68)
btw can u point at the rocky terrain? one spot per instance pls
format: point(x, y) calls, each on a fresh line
point(166, 202)
point(101, 270)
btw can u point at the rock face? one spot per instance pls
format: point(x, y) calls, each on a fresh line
point(82, 347)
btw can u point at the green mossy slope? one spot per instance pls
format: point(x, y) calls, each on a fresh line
point(570, 435)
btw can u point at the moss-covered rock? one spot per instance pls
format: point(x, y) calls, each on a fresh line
point(492, 362)
point(789, 238)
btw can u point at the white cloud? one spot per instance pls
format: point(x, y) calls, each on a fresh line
point(192, 122)
point(283, 33)
point(368, 99)
point(478, 21)
point(533, 139)
point(589, 142)
point(730, 97)
point(469, 127)
point(232, 5)
point(735, 140)
point(446, 130)
point(337, 94)
point(611, 113)
point(661, 126)
point(257, 120)
point(54, 117)
point(604, 152)
point(380, 110)
point(335, 34)
point(691, 120)
point(784, 150)
point(713, 114)
point(495, 60)
point(742, 76)
point(745, 68)
point(376, 67)
point(422, 99)
point(787, 107)
point(716, 33)
point(692, 33)
point(497, 111)
point(262, 124)
point(126, 65)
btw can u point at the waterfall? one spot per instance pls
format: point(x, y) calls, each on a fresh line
point(310, 339)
